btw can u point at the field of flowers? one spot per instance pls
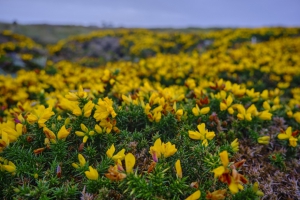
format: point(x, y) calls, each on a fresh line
point(168, 116)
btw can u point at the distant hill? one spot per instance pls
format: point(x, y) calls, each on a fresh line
point(50, 34)
point(47, 34)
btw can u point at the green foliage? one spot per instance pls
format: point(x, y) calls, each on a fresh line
point(277, 159)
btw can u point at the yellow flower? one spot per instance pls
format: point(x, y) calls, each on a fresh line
point(63, 132)
point(289, 113)
point(110, 152)
point(4, 141)
point(85, 134)
point(75, 165)
point(251, 93)
point(98, 129)
point(203, 134)
point(75, 96)
point(196, 111)
point(87, 109)
point(107, 124)
point(256, 190)
point(159, 148)
point(40, 115)
point(243, 114)
point(157, 116)
point(119, 156)
point(204, 110)
point(235, 145)
point(265, 115)
point(178, 113)
point(224, 159)
point(265, 94)
point(82, 162)
point(65, 104)
point(26, 56)
point(129, 162)
point(10, 132)
point(264, 140)
point(297, 117)
point(226, 103)
point(234, 186)
point(147, 109)
point(59, 118)
point(155, 150)
point(104, 109)
point(293, 141)
point(168, 149)
point(178, 169)
point(11, 167)
point(92, 174)
point(67, 121)
point(237, 90)
point(196, 195)
point(127, 100)
point(35, 175)
point(288, 135)
point(49, 134)
point(252, 110)
point(266, 105)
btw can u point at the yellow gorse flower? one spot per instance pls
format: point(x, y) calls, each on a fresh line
point(195, 196)
point(178, 169)
point(75, 96)
point(178, 113)
point(224, 159)
point(297, 117)
point(242, 113)
point(49, 134)
point(235, 145)
point(129, 162)
point(63, 133)
point(72, 106)
point(104, 109)
point(202, 134)
point(92, 174)
point(7, 166)
point(256, 190)
point(162, 149)
point(226, 103)
point(85, 133)
point(264, 140)
point(119, 156)
point(288, 135)
point(265, 115)
point(81, 160)
point(40, 115)
point(87, 109)
point(196, 111)
point(9, 133)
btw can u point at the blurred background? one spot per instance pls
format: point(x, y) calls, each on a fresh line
point(153, 14)
point(33, 17)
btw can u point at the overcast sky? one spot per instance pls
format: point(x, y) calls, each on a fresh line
point(154, 13)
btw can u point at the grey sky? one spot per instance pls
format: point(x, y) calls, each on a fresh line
point(154, 13)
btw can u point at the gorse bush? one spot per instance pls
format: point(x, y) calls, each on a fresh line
point(219, 124)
